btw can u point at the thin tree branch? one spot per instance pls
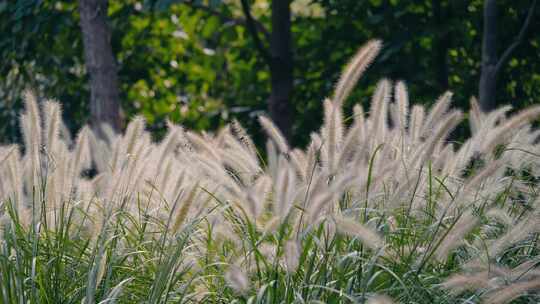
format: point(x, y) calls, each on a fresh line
point(259, 26)
point(519, 39)
point(250, 24)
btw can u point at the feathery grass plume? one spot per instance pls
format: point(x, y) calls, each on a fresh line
point(481, 176)
point(318, 205)
point(444, 128)
point(235, 149)
point(490, 121)
point(64, 132)
point(273, 132)
point(100, 152)
point(117, 155)
point(240, 133)
point(219, 137)
point(272, 159)
point(284, 189)
point(133, 133)
point(511, 292)
point(499, 135)
point(332, 132)
point(378, 110)
point(108, 132)
point(101, 269)
point(34, 120)
point(3, 188)
point(352, 228)
point(5, 153)
point(15, 178)
point(271, 225)
point(402, 101)
point(169, 144)
point(299, 162)
point(32, 134)
point(521, 230)
point(52, 112)
point(445, 155)
point(475, 116)
point(237, 279)
point(177, 189)
point(459, 161)
point(454, 238)
point(380, 299)
point(459, 283)
point(204, 146)
point(208, 168)
point(240, 164)
point(268, 251)
point(359, 121)
point(495, 117)
point(185, 206)
point(500, 215)
point(257, 194)
point(81, 158)
point(354, 69)
point(417, 121)
point(57, 187)
point(136, 166)
point(437, 112)
point(311, 161)
point(349, 145)
point(525, 270)
point(292, 255)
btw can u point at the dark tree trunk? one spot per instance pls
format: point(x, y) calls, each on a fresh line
point(442, 44)
point(491, 64)
point(488, 77)
point(100, 64)
point(281, 67)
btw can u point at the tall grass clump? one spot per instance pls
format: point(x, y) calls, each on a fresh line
point(384, 209)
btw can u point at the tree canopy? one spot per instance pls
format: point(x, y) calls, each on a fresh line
point(197, 63)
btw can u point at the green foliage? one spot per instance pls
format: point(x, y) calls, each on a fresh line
point(60, 261)
point(200, 67)
point(40, 49)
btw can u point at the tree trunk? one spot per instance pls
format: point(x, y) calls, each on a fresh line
point(488, 77)
point(442, 42)
point(100, 64)
point(281, 67)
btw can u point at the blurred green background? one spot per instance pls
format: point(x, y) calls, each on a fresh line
point(191, 63)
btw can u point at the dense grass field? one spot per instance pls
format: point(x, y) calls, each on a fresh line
point(380, 208)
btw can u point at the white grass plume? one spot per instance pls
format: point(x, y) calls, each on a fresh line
point(380, 299)
point(358, 64)
point(52, 117)
point(402, 101)
point(273, 132)
point(237, 279)
point(416, 123)
point(511, 292)
point(379, 107)
point(292, 255)
point(437, 111)
point(500, 134)
point(332, 132)
point(453, 238)
point(240, 133)
point(352, 228)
